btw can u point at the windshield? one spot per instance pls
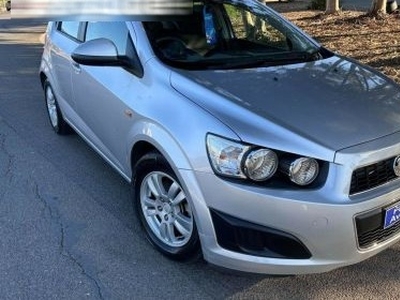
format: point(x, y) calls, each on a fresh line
point(229, 34)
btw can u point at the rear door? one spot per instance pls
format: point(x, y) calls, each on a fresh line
point(65, 37)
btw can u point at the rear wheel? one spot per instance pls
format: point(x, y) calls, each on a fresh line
point(53, 111)
point(163, 209)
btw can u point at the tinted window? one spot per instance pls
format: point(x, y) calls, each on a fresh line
point(117, 32)
point(69, 27)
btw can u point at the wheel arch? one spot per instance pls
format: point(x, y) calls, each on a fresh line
point(172, 155)
point(139, 149)
point(43, 78)
point(162, 144)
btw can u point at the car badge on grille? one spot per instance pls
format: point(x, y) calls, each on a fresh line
point(396, 166)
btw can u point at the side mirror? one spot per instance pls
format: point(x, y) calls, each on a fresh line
point(97, 52)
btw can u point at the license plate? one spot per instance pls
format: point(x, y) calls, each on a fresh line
point(392, 216)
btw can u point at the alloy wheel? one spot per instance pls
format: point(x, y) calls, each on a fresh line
point(166, 209)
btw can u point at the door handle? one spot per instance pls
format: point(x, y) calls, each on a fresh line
point(76, 67)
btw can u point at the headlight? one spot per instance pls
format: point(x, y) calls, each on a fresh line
point(230, 158)
point(234, 159)
point(261, 164)
point(226, 156)
point(302, 170)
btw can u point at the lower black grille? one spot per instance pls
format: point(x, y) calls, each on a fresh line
point(249, 238)
point(371, 176)
point(370, 229)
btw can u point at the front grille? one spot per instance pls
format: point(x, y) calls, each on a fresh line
point(371, 176)
point(370, 229)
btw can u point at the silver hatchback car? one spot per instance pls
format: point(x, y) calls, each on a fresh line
point(245, 141)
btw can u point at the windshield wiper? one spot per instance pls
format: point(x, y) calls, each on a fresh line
point(272, 60)
point(297, 56)
point(248, 61)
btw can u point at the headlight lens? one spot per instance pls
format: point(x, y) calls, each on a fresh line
point(226, 156)
point(261, 164)
point(301, 171)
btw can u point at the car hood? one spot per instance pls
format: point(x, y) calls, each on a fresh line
point(335, 102)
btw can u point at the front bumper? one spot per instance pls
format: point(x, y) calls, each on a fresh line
point(318, 219)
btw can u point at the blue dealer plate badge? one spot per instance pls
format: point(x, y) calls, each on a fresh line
point(392, 216)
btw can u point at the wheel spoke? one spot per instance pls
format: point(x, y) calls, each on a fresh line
point(163, 230)
point(149, 206)
point(149, 203)
point(171, 233)
point(183, 224)
point(173, 190)
point(155, 185)
point(167, 232)
point(178, 198)
point(151, 212)
point(49, 95)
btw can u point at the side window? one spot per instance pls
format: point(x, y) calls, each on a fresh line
point(69, 27)
point(117, 32)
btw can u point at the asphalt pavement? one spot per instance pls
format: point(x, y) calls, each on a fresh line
point(68, 230)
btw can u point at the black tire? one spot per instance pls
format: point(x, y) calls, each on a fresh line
point(56, 119)
point(169, 225)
